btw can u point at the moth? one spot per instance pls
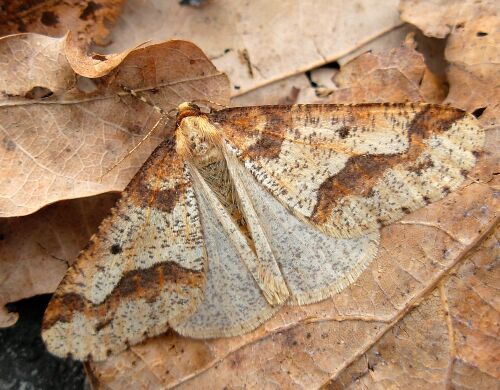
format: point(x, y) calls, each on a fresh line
point(246, 209)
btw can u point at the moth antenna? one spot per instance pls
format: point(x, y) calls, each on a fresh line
point(142, 98)
point(151, 104)
point(210, 101)
point(134, 148)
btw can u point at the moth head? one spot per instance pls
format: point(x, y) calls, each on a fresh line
point(187, 109)
point(197, 139)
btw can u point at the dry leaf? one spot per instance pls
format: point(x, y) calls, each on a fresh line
point(383, 43)
point(474, 55)
point(394, 75)
point(48, 240)
point(362, 79)
point(88, 20)
point(280, 92)
point(298, 88)
point(473, 49)
point(32, 62)
point(62, 131)
point(433, 86)
point(449, 340)
point(399, 295)
point(439, 18)
point(259, 42)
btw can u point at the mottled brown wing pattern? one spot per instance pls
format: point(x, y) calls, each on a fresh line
point(349, 169)
point(248, 189)
point(142, 272)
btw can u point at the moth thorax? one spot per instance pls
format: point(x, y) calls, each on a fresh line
point(198, 140)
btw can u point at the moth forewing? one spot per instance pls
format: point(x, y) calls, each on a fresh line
point(350, 169)
point(143, 271)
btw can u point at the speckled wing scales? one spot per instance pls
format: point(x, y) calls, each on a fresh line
point(235, 301)
point(143, 272)
point(314, 265)
point(350, 169)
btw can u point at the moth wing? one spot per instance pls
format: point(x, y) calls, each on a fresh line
point(143, 272)
point(350, 169)
point(314, 265)
point(234, 302)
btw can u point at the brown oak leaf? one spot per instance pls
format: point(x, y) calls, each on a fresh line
point(449, 340)
point(472, 50)
point(367, 78)
point(89, 20)
point(61, 131)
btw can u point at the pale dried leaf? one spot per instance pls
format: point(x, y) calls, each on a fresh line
point(433, 86)
point(48, 240)
point(58, 146)
point(259, 42)
point(439, 18)
point(95, 65)
point(381, 44)
point(297, 88)
point(279, 92)
point(30, 61)
point(474, 69)
point(431, 48)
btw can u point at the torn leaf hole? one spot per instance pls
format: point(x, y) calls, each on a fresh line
point(478, 111)
point(98, 57)
point(49, 18)
point(38, 93)
point(312, 83)
point(332, 65)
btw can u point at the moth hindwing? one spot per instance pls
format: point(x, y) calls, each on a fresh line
point(247, 209)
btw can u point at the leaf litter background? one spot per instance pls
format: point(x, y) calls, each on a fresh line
point(424, 314)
